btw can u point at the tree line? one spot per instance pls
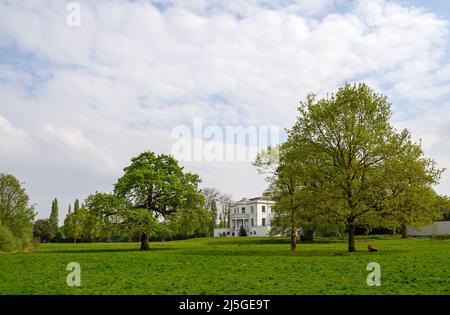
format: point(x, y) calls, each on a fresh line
point(154, 199)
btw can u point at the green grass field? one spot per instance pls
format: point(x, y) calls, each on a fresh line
point(230, 266)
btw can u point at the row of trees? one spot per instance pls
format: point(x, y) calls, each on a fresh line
point(345, 165)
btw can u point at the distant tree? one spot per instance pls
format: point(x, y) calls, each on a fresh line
point(70, 208)
point(157, 184)
point(16, 214)
point(42, 230)
point(54, 216)
point(76, 205)
point(212, 196)
point(74, 224)
point(225, 208)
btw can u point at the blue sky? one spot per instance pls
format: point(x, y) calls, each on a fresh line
point(76, 103)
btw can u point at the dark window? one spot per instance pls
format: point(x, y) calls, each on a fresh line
point(263, 208)
point(263, 222)
point(253, 223)
point(251, 209)
point(243, 210)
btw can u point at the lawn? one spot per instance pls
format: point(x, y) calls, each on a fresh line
point(244, 265)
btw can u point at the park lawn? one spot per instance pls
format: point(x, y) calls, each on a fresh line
point(241, 265)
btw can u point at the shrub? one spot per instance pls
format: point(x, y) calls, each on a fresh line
point(242, 231)
point(7, 241)
point(440, 237)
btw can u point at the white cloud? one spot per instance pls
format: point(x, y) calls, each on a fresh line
point(91, 97)
point(13, 141)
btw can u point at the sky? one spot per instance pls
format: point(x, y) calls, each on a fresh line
point(78, 100)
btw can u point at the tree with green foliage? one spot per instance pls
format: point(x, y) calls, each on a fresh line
point(73, 224)
point(443, 205)
point(42, 230)
point(76, 205)
point(294, 184)
point(54, 216)
point(348, 140)
point(407, 194)
point(157, 184)
point(16, 214)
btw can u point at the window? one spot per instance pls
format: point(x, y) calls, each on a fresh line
point(263, 222)
point(253, 222)
point(251, 209)
point(234, 210)
point(243, 210)
point(263, 208)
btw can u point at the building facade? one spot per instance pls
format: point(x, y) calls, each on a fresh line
point(437, 228)
point(254, 214)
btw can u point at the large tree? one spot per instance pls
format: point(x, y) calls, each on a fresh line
point(16, 214)
point(157, 184)
point(349, 135)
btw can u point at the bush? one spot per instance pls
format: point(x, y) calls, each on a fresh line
point(242, 231)
point(440, 237)
point(7, 240)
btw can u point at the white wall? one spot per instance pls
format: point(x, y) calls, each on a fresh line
point(438, 228)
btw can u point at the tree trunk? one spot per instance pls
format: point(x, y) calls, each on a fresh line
point(293, 236)
point(351, 238)
point(404, 231)
point(144, 242)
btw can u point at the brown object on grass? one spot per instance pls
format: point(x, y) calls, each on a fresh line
point(372, 249)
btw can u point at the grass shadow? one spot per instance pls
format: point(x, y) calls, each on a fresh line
point(275, 241)
point(103, 250)
point(287, 253)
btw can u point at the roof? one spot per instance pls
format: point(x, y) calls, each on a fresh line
point(252, 200)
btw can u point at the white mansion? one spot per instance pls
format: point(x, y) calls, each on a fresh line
point(254, 214)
